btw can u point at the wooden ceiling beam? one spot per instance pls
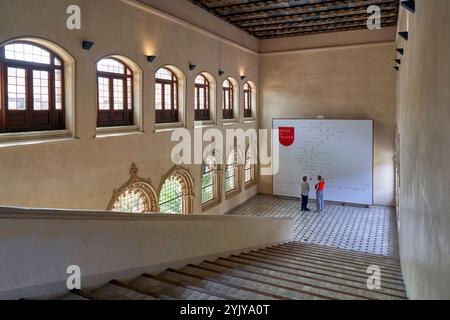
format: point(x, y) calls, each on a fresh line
point(321, 32)
point(316, 23)
point(336, 27)
point(212, 4)
point(309, 9)
point(312, 17)
point(281, 18)
point(217, 4)
point(248, 8)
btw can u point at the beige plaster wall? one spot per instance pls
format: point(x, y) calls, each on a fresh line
point(346, 82)
point(82, 172)
point(187, 11)
point(41, 244)
point(423, 120)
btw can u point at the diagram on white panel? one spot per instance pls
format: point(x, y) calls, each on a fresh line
point(339, 150)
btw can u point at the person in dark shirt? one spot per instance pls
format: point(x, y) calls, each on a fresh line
point(305, 194)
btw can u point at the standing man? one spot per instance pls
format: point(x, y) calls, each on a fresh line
point(305, 194)
point(320, 187)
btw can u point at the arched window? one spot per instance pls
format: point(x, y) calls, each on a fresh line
point(210, 180)
point(135, 196)
point(166, 96)
point(248, 100)
point(250, 165)
point(171, 196)
point(232, 172)
point(176, 192)
point(228, 99)
point(202, 99)
point(114, 93)
point(32, 88)
point(132, 200)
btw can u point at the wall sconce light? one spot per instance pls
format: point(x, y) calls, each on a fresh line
point(398, 61)
point(221, 72)
point(243, 77)
point(404, 35)
point(400, 50)
point(87, 45)
point(409, 5)
point(151, 58)
point(192, 66)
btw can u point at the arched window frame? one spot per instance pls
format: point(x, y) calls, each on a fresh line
point(232, 171)
point(116, 117)
point(211, 168)
point(228, 99)
point(202, 100)
point(168, 113)
point(144, 186)
point(50, 118)
point(250, 166)
point(187, 185)
point(248, 100)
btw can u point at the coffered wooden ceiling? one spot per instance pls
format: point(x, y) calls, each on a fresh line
point(267, 19)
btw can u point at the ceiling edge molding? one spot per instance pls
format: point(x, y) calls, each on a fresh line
point(328, 48)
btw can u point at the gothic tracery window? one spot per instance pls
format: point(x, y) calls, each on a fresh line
point(132, 200)
point(135, 196)
point(209, 180)
point(176, 192)
point(250, 165)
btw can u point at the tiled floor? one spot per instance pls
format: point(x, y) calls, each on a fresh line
point(352, 228)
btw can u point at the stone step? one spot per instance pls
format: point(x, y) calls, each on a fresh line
point(321, 262)
point(173, 289)
point(356, 257)
point(342, 252)
point(308, 288)
point(257, 283)
point(352, 263)
point(75, 295)
point(237, 292)
point(115, 290)
point(390, 283)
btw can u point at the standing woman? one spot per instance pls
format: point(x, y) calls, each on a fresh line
point(320, 187)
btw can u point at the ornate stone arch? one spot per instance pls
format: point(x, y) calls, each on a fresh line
point(183, 176)
point(142, 188)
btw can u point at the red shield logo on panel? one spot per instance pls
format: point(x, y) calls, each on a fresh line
point(286, 136)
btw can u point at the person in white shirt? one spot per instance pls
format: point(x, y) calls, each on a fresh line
point(305, 194)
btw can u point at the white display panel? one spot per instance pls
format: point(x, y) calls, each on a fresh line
point(339, 150)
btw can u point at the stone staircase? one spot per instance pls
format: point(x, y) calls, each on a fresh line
point(288, 271)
